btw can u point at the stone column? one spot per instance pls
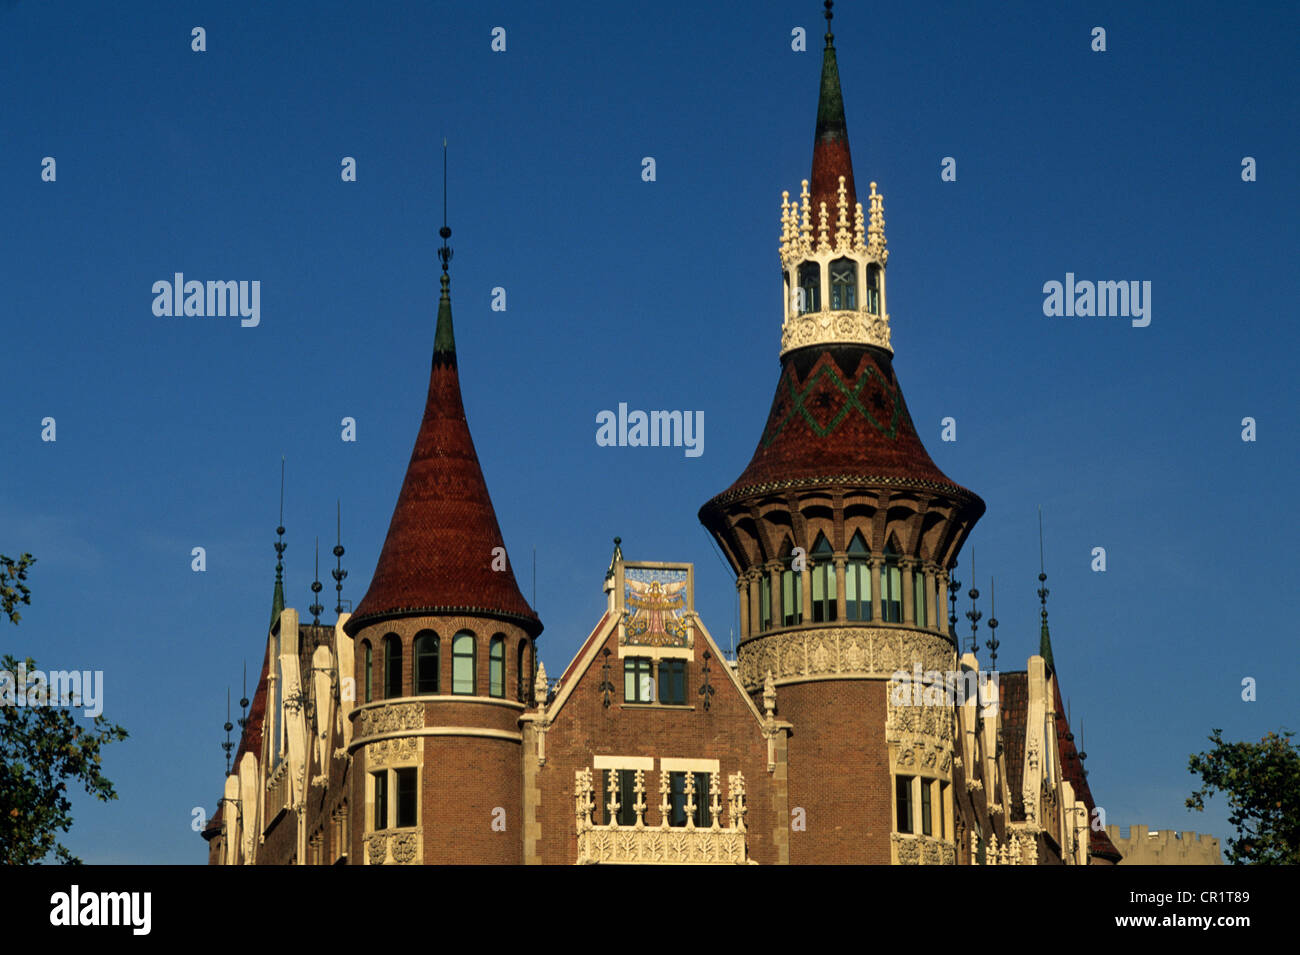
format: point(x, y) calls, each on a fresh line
point(841, 581)
point(907, 567)
point(778, 610)
point(876, 606)
point(742, 595)
point(941, 596)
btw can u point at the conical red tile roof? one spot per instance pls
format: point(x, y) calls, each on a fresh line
point(839, 412)
point(438, 555)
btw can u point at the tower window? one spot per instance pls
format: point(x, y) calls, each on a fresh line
point(369, 667)
point(426, 662)
point(497, 666)
point(844, 284)
point(891, 586)
point(926, 785)
point(392, 666)
point(522, 691)
point(791, 594)
point(463, 664)
point(407, 797)
point(764, 603)
point(810, 288)
point(857, 580)
point(873, 289)
point(672, 682)
point(381, 799)
point(903, 802)
point(638, 681)
point(823, 581)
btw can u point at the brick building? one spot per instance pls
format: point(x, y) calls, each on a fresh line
point(850, 729)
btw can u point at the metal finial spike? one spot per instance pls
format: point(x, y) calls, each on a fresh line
point(316, 607)
point(339, 573)
point(282, 491)
point(830, 37)
point(444, 253)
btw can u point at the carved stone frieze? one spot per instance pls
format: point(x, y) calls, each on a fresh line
point(823, 328)
point(876, 652)
point(387, 752)
point(922, 850)
point(398, 847)
point(390, 718)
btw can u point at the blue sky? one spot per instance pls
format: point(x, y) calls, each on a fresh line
point(226, 165)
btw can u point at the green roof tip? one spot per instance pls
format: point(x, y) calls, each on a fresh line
point(830, 102)
point(444, 339)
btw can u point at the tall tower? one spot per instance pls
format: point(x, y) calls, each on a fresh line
point(444, 651)
point(842, 531)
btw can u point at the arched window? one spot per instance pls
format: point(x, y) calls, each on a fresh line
point(891, 585)
point(873, 289)
point(369, 669)
point(522, 691)
point(823, 581)
point(426, 662)
point(791, 593)
point(857, 580)
point(918, 595)
point(844, 284)
point(764, 602)
point(463, 664)
point(810, 286)
point(392, 666)
point(497, 666)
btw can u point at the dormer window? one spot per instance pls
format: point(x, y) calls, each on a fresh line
point(810, 288)
point(844, 285)
point(873, 289)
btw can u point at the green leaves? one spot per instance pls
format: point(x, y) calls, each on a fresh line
point(1262, 783)
point(42, 748)
point(12, 590)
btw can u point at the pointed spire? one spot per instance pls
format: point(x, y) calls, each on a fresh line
point(444, 552)
point(1044, 635)
point(277, 598)
point(831, 158)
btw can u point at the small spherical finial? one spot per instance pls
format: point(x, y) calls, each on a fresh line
point(229, 726)
point(280, 531)
point(445, 233)
point(618, 540)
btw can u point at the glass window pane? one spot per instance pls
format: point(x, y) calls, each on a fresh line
point(381, 799)
point(407, 798)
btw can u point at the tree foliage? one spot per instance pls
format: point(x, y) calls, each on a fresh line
point(1262, 783)
point(42, 749)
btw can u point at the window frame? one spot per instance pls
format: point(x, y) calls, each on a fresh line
point(421, 654)
point(392, 662)
point(497, 657)
point(838, 288)
point(458, 641)
point(676, 667)
point(638, 670)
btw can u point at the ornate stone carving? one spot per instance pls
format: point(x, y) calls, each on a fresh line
point(390, 718)
point(842, 651)
point(402, 847)
point(828, 327)
point(661, 844)
point(911, 849)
